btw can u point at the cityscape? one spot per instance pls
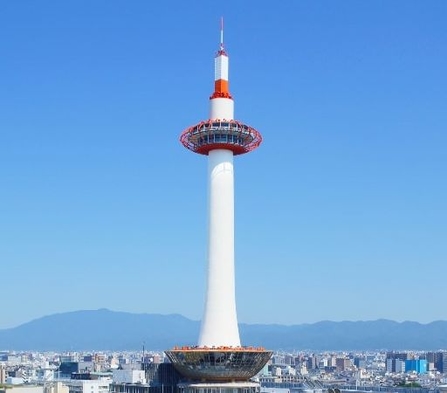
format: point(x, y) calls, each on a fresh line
point(225, 356)
point(147, 371)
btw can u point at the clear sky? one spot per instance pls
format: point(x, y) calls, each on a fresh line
point(341, 214)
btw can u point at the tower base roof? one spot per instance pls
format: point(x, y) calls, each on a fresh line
point(222, 364)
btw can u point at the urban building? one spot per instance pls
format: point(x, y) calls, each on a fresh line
point(67, 368)
point(129, 376)
point(417, 365)
point(88, 385)
point(57, 387)
point(3, 374)
point(343, 364)
point(21, 389)
point(395, 365)
point(360, 362)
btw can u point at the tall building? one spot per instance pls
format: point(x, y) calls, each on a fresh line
point(3, 374)
point(219, 361)
point(312, 362)
point(439, 360)
point(418, 365)
point(359, 362)
point(395, 361)
point(343, 364)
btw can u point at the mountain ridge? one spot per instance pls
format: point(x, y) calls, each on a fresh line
point(104, 329)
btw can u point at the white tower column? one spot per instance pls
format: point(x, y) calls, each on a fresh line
point(219, 323)
point(220, 137)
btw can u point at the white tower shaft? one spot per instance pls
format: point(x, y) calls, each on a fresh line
point(219, 323)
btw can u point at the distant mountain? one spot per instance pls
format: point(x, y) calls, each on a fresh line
point(360, 335)
point(100, 329)
point(104, 329)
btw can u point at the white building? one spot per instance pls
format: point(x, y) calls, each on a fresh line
point(57, 387)
point(129, 376)
point(88, 386)
point(25, 389)
point(400, 366)
point(14, 381)
point(3, 374)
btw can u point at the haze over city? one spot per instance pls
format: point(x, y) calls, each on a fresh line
point(340, 214)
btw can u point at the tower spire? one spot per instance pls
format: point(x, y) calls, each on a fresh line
point(222, 35)
point(221, 89)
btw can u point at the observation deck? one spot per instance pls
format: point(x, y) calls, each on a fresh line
point(218, 364)
point(221, 134)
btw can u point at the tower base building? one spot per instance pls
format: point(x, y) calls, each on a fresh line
point(227, 387)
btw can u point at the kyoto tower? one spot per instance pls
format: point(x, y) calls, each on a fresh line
point(219, 357)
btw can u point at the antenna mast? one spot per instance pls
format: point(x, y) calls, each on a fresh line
point(222, 33)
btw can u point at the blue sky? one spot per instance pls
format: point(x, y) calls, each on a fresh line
point(340, 214)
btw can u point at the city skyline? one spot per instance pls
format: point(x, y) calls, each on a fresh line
point(340, 213)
